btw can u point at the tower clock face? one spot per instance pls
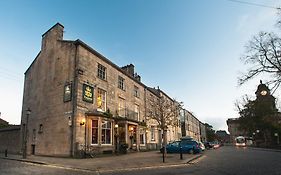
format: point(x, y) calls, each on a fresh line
point(263, 92)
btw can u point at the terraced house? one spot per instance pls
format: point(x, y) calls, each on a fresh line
point(76, 100)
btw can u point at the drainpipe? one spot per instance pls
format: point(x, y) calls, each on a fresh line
point(74, 103)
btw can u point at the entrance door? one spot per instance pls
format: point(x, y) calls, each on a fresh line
point(33, 149)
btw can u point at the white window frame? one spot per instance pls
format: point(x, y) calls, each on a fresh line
point(110, 132)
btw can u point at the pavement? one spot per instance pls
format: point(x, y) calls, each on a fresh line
point(130, 161)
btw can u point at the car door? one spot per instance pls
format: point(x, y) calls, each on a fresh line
point(186, 146)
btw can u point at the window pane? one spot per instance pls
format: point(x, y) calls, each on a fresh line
point(94, 131)
point(106, 132)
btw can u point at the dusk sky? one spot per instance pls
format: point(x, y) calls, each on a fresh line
point(189, 48)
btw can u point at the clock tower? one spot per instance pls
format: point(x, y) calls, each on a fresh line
point(263, 95)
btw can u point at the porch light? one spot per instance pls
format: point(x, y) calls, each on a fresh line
point(116, 125)
point(131, 128)
point(82, 122)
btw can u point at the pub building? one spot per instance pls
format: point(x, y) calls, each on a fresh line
point(78, 100)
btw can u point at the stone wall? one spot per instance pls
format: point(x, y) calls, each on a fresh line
point(10, 139)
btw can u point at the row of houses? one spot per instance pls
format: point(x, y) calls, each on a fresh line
point(77, 99)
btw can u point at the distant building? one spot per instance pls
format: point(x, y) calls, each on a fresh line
point(222, 136)
point(190, 126)
point(203, 134)
point(233, 129)
point(3, 123)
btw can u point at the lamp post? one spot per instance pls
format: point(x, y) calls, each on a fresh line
point(277, 135)
point(24, 153)
point(116, 137)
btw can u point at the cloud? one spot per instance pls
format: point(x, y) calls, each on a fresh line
point(256, 21)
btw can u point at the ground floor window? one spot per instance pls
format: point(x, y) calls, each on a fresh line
point(142, 139)
point(106, 132)
point(95, 126)
point(152, 131)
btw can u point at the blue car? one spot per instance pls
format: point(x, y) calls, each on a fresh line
point(187, 146)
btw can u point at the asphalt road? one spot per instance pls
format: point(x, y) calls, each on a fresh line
point(222, 161)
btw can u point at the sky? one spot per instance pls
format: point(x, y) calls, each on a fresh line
point(191, 49)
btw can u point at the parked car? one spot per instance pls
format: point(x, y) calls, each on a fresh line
point(202, 146)
point(215, 144)
point(186, 146)
point(208, 145)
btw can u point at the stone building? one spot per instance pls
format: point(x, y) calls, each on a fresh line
point(191, 126)
point(154, 132)
point(73, 92)
point(203, 134)
point(10, 139)
point(79, 100)
point(3, 123)
point(233, 129)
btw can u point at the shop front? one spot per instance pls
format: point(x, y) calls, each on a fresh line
point(106, 134)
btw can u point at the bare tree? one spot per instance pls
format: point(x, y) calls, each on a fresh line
point(165, 111)
point(263, 53)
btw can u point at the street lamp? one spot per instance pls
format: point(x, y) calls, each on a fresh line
point(116, 137)
point(276, 134)
point(24, 153)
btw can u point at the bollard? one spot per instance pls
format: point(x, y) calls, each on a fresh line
point(6, 153)
point(181, 153)
point(163, 154)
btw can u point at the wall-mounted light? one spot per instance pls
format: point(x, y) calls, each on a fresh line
point(116, 125)
point(82, 122)
point(131, 128)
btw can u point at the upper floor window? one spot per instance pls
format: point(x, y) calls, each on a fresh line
point(121, 107)
point(136, 91)
point(101, 100)
point(121, 82)
point(137, 112)
point(101, 72)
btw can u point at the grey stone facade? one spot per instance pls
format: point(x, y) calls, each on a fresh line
point(80, 101)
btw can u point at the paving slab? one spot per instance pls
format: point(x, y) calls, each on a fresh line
point(136, 160)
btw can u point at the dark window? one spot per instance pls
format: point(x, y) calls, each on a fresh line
point(40, 128)
point(101, 72)
point(94, 131)
point(136, 91)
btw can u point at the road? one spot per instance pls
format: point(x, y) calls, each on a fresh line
point(222, 161)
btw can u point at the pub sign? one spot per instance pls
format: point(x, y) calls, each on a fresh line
point(88, 93)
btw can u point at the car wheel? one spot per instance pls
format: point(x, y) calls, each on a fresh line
point(191, 151)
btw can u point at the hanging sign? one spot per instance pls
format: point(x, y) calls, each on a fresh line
point(88, 93)
point(67, 92)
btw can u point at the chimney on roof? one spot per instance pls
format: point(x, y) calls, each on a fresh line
point(130, 69)
point(50, 38)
